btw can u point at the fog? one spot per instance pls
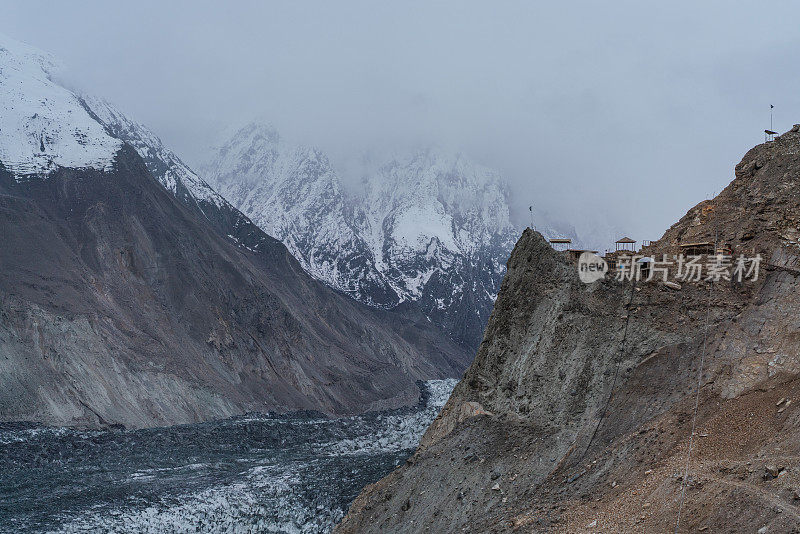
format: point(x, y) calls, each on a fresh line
point(605, 114)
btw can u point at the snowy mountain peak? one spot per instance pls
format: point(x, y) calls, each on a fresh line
point(428, 228)
point(27, 56)
point(43, 125)
point(253, 144)
point(256, 154)
point(433, 194)
point(262, 132)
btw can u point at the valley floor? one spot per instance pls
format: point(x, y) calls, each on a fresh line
point(287, 473)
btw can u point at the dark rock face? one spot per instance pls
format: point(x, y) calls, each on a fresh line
point(576, 414)
point(118, 304)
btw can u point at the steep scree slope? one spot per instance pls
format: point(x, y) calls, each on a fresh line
point(119, 305)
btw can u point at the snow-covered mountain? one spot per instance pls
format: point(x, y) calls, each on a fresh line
point(43, 125)
point(294, 195)
point(132, 293)
point(428, 229)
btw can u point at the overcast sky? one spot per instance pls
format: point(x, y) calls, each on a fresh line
point(627, 111)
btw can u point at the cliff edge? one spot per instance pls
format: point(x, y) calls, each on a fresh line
point(578, 412)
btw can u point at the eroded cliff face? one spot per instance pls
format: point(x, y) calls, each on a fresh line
point(577, 411)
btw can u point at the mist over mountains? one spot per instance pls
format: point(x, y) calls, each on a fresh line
point(576, 124)
point(427, 229)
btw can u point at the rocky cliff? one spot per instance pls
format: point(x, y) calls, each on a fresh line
point(578, 412)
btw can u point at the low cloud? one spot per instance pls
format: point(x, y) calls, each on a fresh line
point(619, 111)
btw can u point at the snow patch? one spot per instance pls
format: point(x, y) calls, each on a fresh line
point(416, 227)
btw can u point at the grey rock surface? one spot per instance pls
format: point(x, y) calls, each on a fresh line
point(121, 305)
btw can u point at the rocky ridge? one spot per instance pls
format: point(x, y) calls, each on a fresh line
point(577, 413)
